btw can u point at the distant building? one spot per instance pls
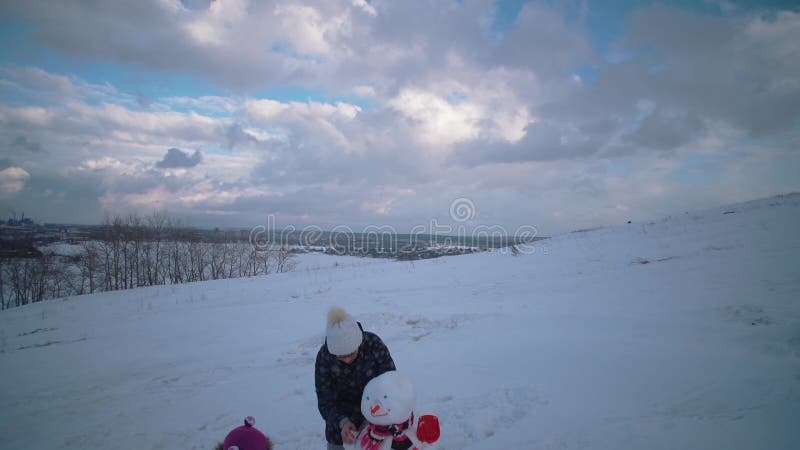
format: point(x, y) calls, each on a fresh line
point(24, 222)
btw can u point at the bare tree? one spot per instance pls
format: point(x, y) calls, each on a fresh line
point(90, 263)
point(3, 304)
point(219, 255)
point(135, 251)
point(284, 260)
point(28, 278)
point(156, 224)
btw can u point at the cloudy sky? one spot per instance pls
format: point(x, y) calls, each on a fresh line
point(558, 115)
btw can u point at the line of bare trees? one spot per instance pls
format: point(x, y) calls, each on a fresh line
point(136, 251)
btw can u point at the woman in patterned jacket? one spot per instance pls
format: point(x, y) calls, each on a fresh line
point(348, 359)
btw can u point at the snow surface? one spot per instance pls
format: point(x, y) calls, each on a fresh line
point(576, 344)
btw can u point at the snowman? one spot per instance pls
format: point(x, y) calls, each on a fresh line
point(388, 405)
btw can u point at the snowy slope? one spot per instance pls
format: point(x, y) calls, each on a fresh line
point(578, 344)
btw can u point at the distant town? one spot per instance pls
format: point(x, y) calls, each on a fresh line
point(25, 238)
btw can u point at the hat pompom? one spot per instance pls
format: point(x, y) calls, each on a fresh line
point(336, 315)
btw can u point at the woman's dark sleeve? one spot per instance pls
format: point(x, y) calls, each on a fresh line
point(326, 398)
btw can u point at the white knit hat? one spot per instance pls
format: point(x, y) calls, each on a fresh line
point(343, 333)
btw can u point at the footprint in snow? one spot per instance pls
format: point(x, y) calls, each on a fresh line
point(477, 418)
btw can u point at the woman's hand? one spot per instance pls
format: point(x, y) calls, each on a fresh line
point(348, 433)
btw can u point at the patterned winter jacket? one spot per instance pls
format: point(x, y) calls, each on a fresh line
point(340, 385)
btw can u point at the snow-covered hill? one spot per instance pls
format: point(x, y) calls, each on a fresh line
point(678, 333)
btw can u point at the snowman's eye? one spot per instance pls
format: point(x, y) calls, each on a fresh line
point(385, 396)
point(368, 398)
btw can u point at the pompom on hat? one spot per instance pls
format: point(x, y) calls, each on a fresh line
point(343, 333)
point(246, 437)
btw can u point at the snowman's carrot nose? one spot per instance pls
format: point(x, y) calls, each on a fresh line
point(375, 409)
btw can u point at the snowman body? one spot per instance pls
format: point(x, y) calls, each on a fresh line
point(388, 406)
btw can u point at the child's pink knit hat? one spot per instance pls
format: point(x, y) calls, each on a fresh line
point(246, 437)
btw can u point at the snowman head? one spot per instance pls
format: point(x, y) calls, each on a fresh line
point(388, 399)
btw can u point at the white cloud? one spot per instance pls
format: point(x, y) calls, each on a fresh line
point(779, 35)
point(365, 91)
point(12, 180)
point(27, 115)
point(264, 110)
point(51, 88)
point(366, 7)
point(456, 113)
point(777, 39)
point(161, 127)
point(211, 27)
point(311, 31)
point(310, 120)
point(440, 123)
point(382, 207)
point(204, 32)
point(105, 162)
